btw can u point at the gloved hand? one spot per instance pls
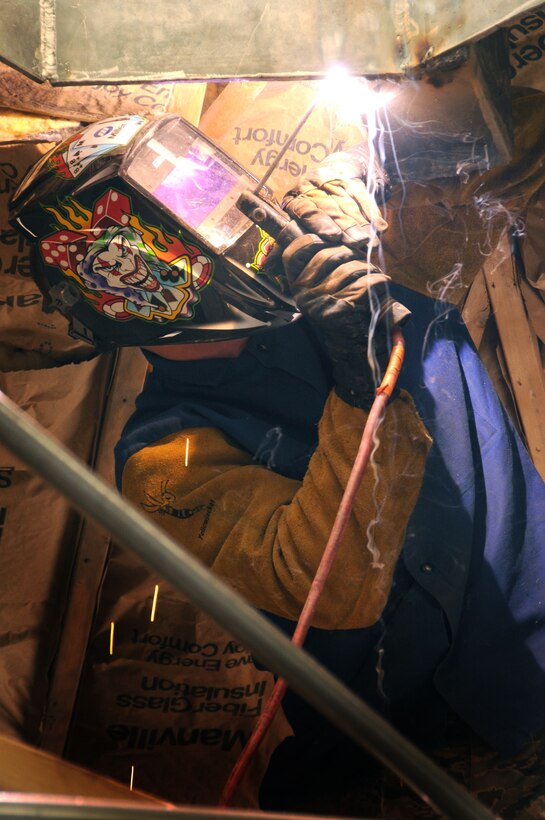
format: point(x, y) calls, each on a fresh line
point(335, 203)
point(346, 298)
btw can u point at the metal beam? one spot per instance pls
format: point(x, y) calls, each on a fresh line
point(97, 41)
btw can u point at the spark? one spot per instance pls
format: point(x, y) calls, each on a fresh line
point(112, 627)
point(154, 603)
point(132, 778)
point(186, 451)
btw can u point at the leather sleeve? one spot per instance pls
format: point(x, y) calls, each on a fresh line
point(265, 534)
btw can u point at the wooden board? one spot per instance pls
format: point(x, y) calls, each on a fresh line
point(520, 349)
point(476, 309)
point(24, 769)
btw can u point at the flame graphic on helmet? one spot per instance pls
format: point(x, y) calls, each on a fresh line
point(123, 266)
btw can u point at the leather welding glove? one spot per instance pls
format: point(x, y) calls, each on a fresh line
point(337, 204)
point(346, 298)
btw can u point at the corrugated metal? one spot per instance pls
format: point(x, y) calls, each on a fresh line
point(98, 41)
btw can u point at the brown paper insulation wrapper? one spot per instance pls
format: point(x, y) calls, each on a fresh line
point(33, 335)
point(15, 160)
point(177, 697)
point(253, 120)
point(440, 234)
point(38, 535)
point(526, 39)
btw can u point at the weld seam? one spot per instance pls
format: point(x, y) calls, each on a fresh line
point(48, 39)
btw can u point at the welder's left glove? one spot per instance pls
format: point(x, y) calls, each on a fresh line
point(337, 200)
point(347, 299)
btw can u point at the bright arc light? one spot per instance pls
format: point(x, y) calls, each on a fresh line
point(336, 77)
point(351, 97)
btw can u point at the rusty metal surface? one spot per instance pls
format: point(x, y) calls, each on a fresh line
point(97, 41)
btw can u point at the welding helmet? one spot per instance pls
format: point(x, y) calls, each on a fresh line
point(137, 238)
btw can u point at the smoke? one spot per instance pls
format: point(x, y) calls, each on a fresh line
point(268, 447)
point(453, 280)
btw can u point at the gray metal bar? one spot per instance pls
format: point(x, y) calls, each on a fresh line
point(313, 682)
point(13, 804)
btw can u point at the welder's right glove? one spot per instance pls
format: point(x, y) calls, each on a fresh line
point(346, 298)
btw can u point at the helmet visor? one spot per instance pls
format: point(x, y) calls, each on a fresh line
point(194, 179)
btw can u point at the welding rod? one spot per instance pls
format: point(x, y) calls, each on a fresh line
point(131, 528)
point(288, 144)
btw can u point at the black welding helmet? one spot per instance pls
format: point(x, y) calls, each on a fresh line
point(137, 238)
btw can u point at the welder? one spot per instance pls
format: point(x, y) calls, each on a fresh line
point(273, 410)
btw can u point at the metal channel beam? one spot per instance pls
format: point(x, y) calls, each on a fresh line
point(97, 41)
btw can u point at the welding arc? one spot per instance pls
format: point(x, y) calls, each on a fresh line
point(374, 419)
